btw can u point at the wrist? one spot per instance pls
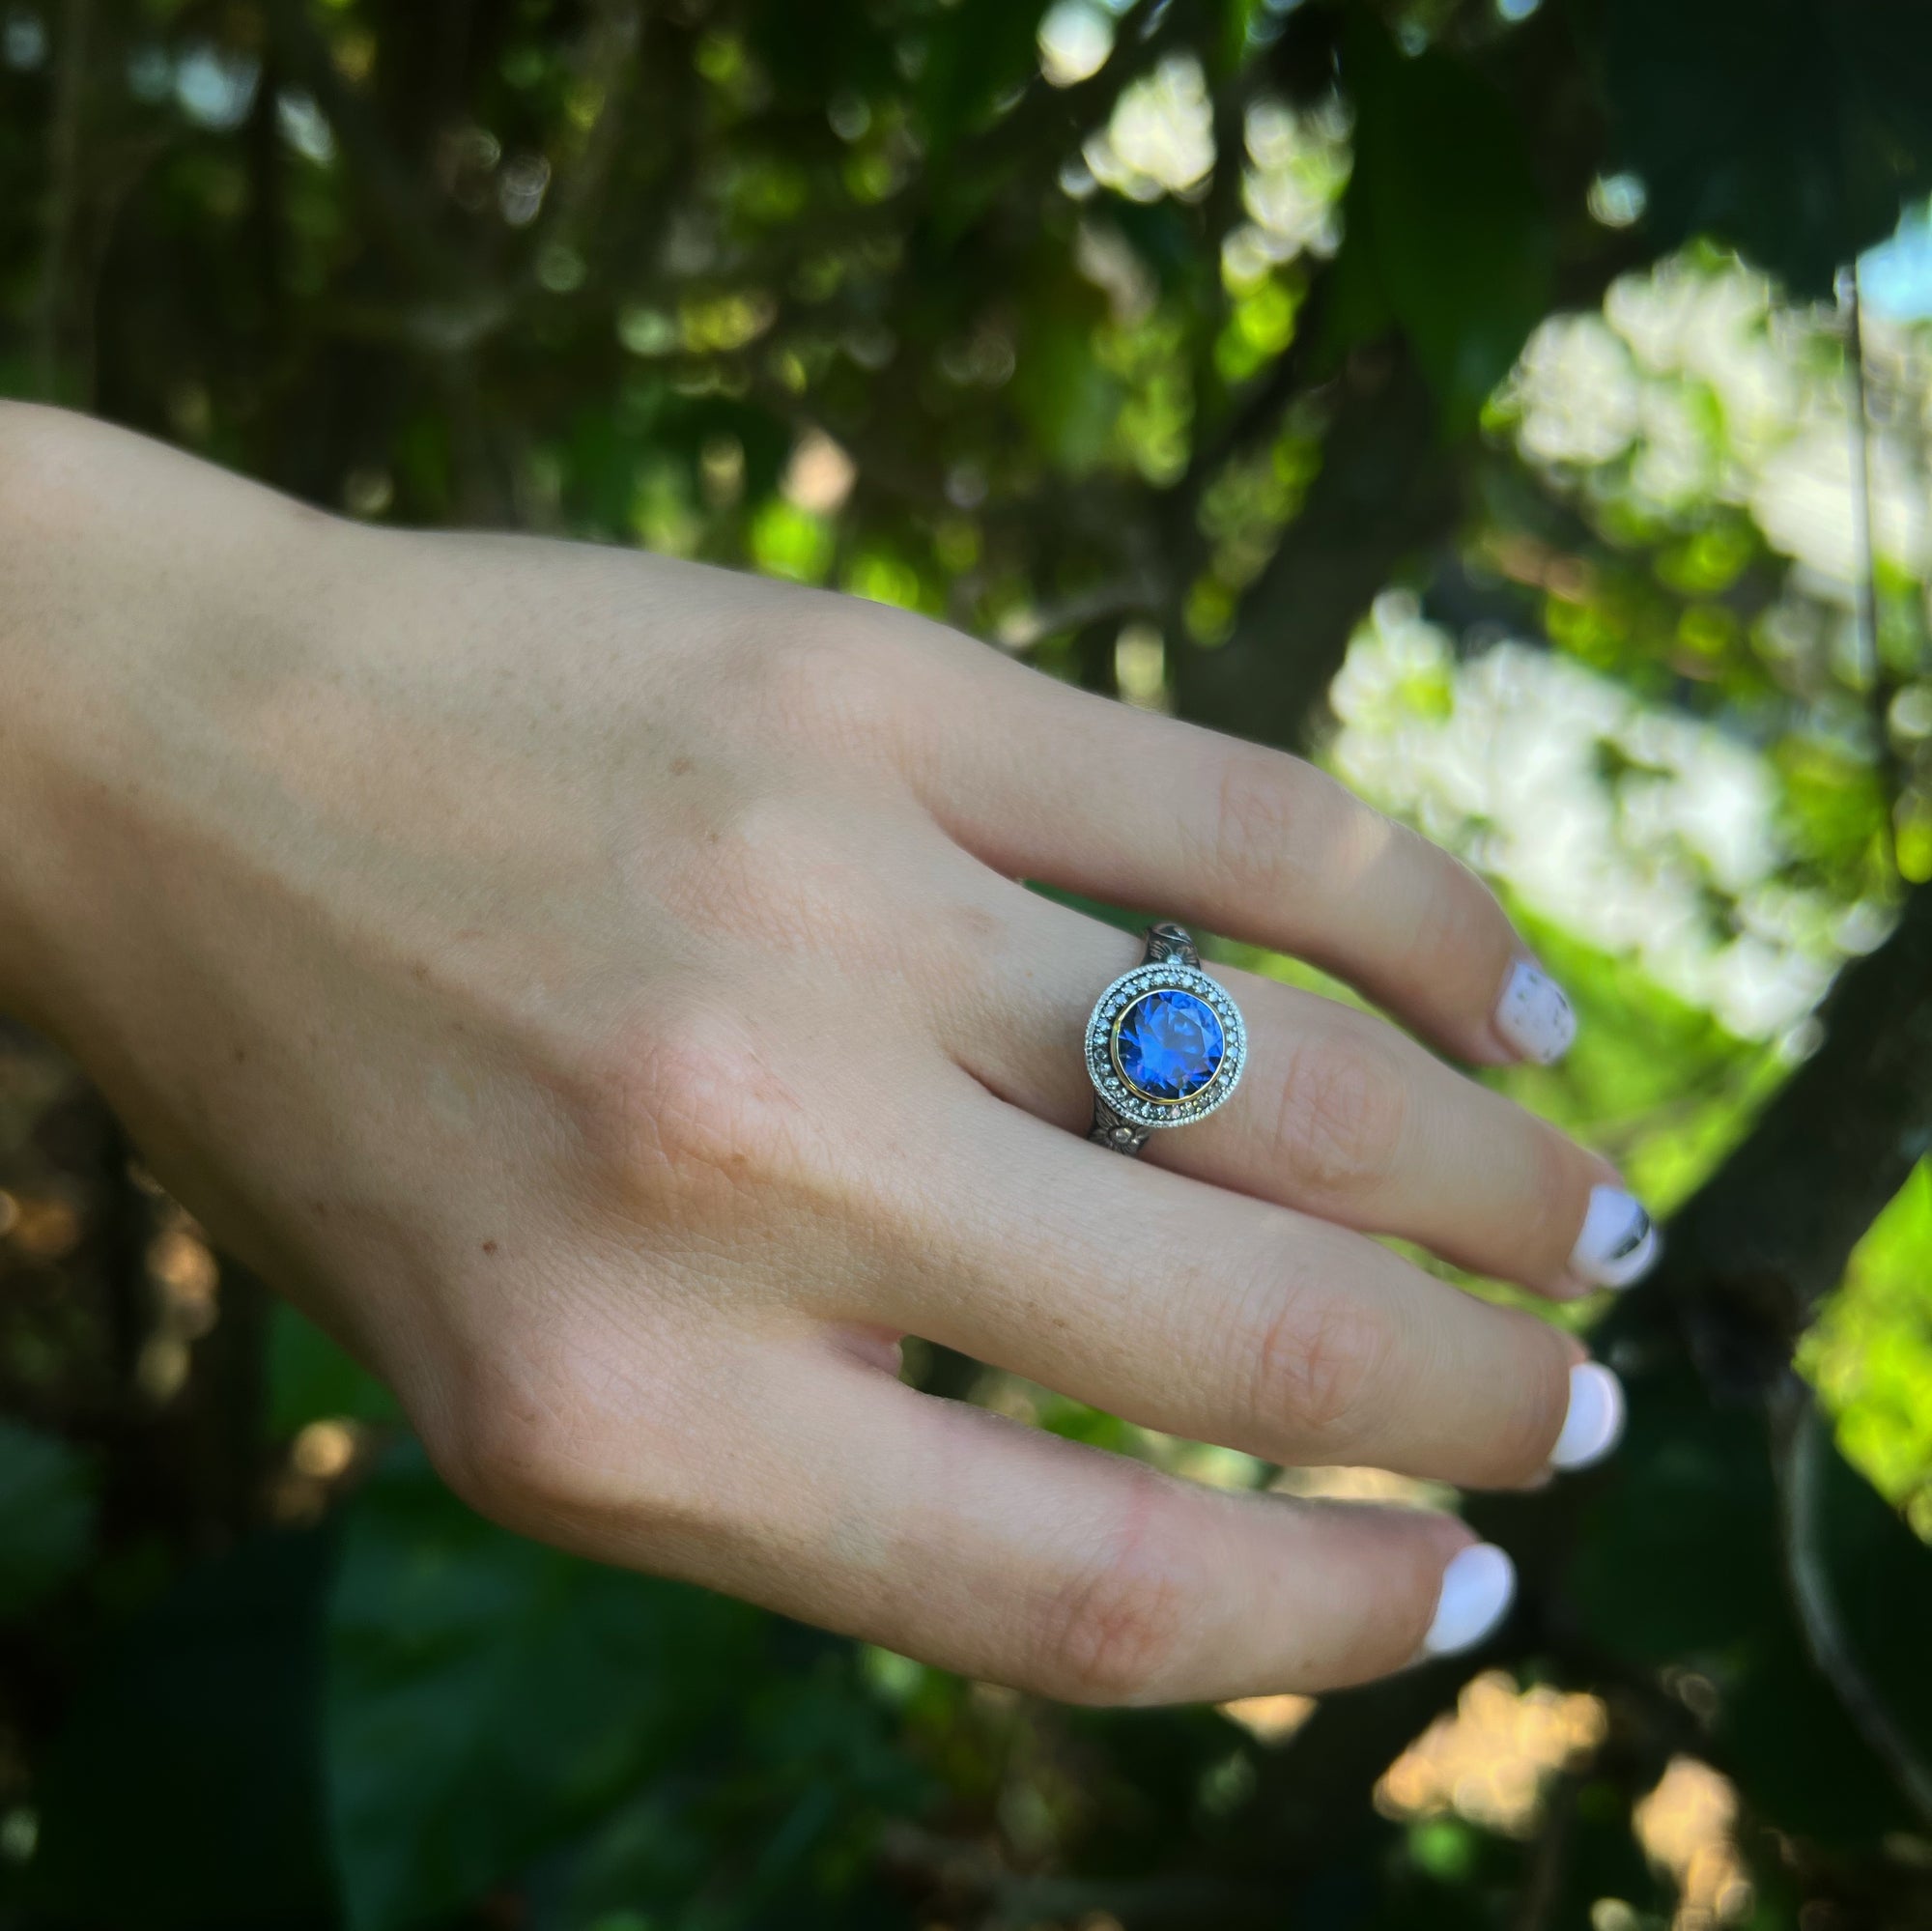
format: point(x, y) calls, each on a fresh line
point(132, 587)
point(41, 533)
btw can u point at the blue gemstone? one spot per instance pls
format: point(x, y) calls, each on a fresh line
point(1168, 1045)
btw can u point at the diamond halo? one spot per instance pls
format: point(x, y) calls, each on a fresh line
point(1165, 975)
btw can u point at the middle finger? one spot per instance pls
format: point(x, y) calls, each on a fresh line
point(1214, 1315)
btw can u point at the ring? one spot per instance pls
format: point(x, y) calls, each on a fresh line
point(1165, 1045)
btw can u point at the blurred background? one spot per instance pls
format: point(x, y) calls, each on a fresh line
point(1522, 408)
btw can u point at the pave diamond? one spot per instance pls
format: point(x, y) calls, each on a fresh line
point(1169, 1044)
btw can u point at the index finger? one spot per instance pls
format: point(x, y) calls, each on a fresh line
point(1072, 790)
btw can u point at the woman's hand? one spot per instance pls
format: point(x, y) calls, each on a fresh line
point(597, 988)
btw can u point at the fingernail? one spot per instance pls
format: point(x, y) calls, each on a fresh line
point(1618, 1243)
point(1534, 1015)
point(1477, 1589)
point(1595, 1423)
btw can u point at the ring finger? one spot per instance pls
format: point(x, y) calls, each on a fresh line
point(1338, 1114)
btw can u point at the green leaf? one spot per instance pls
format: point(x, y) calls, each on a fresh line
point(1869, 1354)
point(488, 1698)
point(1445, 228)
point(975, 56)
point(1065, 396)
point(46, 1516)
point(781, 1825)
point(1792, 129)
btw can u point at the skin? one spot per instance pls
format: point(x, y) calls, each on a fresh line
point(595, 987)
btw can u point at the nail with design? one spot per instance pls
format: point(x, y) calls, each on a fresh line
point(1534, 1017)
point(1619, 1242)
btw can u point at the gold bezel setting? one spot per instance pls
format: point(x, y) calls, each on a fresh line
point(1118, 1091)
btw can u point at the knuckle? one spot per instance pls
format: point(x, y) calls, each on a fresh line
point(1261, 813)
point(1316, 1364)
point(551, 1436)
point(837, 682)
point(1345, 1112)
point(1115, 1631)
point(685, 1107)
point(510, 1461)
point(1458, 926)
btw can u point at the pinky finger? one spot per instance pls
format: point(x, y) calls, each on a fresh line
point(971, 1542)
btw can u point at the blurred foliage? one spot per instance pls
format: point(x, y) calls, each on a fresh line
point(1468, 391)
point(1869, 1353)
point(45, 1517)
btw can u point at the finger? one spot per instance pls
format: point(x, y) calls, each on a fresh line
point(968, 1540)
point(1068, 789)
point(1338, 1114)
point(1214, 1316)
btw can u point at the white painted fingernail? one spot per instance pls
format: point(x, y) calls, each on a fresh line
point(1534, 1015)
point(1477, 1589)
point(1618, 1243)
point(1595, 1423)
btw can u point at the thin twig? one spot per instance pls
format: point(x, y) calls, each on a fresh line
point(1127, 597)
point(1797, 1448)
point(1543, 1888)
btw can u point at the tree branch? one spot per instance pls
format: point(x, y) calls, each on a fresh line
point(1541, 1893)
point(1769, 1234)
point(1387, 486)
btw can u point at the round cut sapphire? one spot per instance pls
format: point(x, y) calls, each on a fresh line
point(1168, 1045)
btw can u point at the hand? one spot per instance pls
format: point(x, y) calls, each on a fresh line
point(596, 988)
